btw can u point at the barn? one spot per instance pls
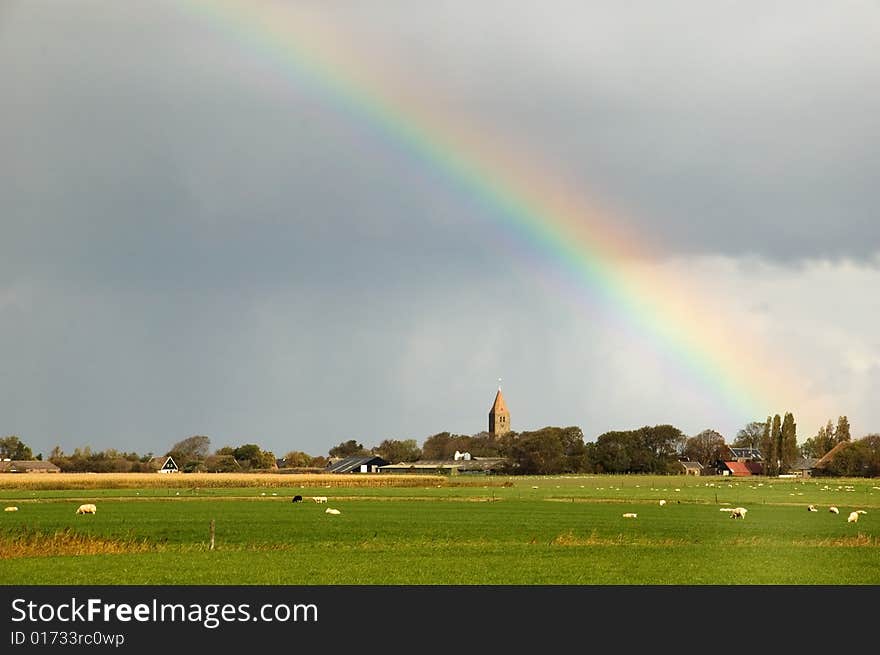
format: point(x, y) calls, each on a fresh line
point(691, 468)
point(736, 469)
point(357, 464)
point(27, 466)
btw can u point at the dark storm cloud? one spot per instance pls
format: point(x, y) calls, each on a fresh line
point(734, 128)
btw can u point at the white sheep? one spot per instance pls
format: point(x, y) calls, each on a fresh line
point(833, 510)
point(853, 517)
point(662, 503)
point(812, 508)
point(630, 515)
point(88, 508)
point(330, 510)
point(11, 509)
point(319, 499)
point(738, 513)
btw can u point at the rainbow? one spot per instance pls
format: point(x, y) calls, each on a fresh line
point(577, 238)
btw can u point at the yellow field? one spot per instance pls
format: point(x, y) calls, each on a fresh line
point(37, 481)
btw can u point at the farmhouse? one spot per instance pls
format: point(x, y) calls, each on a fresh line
point(820, 466)
point(745, 454)
point(741, 462)
point(691, 468)
point(803, 466)
point(27, 466)
point(357, 464)
point(164, 464)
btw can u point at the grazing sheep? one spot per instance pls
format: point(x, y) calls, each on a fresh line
point(812, 508)
point(330, 510)
point(319, 499)
point(662, 503)
point(738, 513)
point(630, 515)
point(11, 509)
point(853, 517)
point(88, 508)
point(297, 499)
point(833, 510)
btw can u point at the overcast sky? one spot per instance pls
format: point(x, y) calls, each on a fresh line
point(194, 239)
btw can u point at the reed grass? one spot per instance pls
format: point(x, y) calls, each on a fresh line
point(34, 543)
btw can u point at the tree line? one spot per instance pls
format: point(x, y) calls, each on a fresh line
point(657, 449)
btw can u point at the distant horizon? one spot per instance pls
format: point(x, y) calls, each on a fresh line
point(728, 439)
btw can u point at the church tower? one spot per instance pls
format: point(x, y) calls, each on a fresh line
point(499, 417)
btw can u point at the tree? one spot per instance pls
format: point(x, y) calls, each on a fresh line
point(549, 450)
point(788, 448)
point(612, 452)
point(248, 455)
point(484, 444)
point(537, 453)
point(775, 445)
point(190, 453)
point(646, 450)
point(394, 450)
point(222, 462)
point(842, 434)
point(860, 458)
point(768, 446)
point(707, 447)
point(298, 459)
point(821, 443)
point(348, 449)
point(749, 436)
point(12, 447)
point(443, 445)
point(267, 460)
point(194, 448)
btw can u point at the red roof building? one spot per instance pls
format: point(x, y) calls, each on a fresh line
point(738, 469)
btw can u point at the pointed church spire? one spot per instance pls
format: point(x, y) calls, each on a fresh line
point(499, 417)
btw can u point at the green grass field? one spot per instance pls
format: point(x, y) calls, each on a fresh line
point(519, 531)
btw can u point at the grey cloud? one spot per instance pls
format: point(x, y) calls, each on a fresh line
point(196, 240)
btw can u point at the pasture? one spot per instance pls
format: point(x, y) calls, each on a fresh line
point(402, 530)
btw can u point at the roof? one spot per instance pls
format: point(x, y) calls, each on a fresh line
point(755, 468)
point(473, 464)
point(738, 468)
point(498, 407)
point(692, 465)
point(161, 461)
point(745, 453)
point(349, 464)
point(831, 454)
point(805, 463)
point(23, 465)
